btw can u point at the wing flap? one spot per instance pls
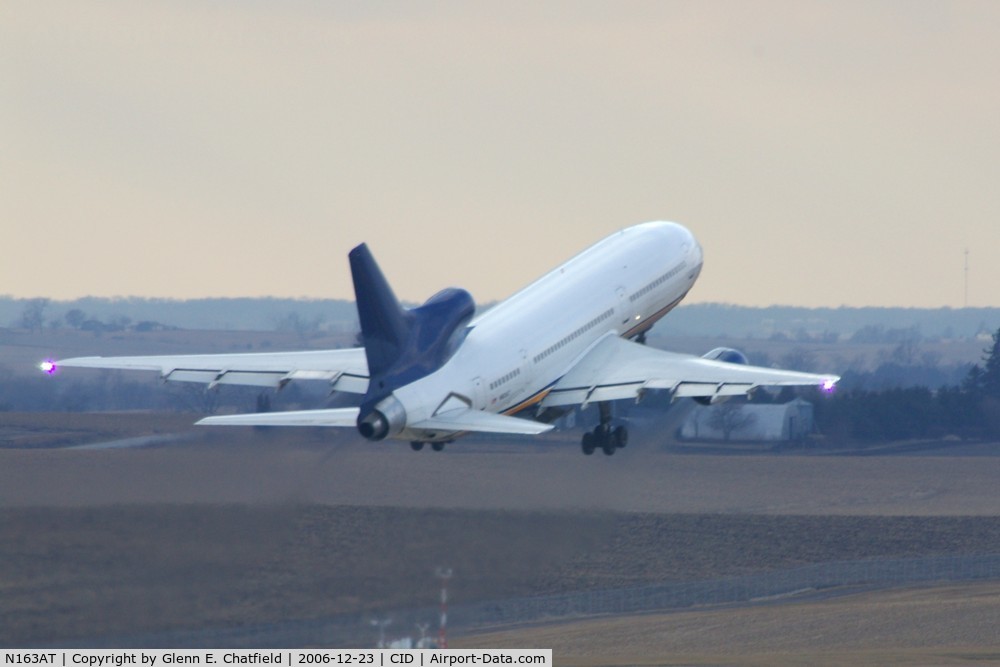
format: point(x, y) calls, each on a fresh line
point(702, 389)
point(582, 395)
point(176, 375)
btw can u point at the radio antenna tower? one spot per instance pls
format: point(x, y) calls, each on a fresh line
point(381, 624)
point(966, 304)
point(444, 574)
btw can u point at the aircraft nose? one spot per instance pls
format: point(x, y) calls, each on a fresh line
point(694, 250)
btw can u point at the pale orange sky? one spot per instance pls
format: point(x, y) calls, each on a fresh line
point(824, 153)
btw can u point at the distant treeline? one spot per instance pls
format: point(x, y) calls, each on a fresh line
point(970, 409)
point(863, 325)
point(239, 314)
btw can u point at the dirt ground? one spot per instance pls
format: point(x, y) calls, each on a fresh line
point(337, 467)
point(233, 527)
point(120, 570)
point(944, 625)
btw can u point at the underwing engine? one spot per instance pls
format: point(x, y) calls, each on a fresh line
point(728, 355)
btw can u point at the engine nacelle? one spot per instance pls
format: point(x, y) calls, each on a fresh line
point(728, 355)
point(387, 418)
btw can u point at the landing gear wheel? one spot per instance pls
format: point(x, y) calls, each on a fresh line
point(416, 446)
point(437, 446)
point(604, 436)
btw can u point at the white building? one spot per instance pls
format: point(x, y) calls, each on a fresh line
point(749, 421)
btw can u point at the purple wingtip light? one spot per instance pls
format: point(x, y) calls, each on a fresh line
point(48, 366)
point(829, 386)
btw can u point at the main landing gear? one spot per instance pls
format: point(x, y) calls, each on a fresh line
point(417, 445)
point(607, 437)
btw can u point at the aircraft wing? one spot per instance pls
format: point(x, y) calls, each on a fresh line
point(616, 368)
point(346, 370)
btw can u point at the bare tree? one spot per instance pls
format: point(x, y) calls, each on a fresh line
point(75, 318)
point(730, 417)
point(193, 397)
point(799, 359)
point(32, 317)
point(304, 328)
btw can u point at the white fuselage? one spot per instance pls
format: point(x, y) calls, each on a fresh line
point(518, 349)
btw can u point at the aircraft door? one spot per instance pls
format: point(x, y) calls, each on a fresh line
point(524, 376)
point(478, 402)
point(621, 305)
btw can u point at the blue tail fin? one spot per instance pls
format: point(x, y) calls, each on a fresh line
point(385, 325)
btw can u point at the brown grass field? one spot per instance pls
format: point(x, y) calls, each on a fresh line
point(944, 625)
point(234, 527)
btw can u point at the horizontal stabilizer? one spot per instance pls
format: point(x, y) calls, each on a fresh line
point(481, 422)
point(332, 417)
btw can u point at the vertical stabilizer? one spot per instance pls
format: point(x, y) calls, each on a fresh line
point(384, 323)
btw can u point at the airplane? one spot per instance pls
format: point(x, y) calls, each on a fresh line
point(436, 372)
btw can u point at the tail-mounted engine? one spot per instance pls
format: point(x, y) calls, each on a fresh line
point(387, 418)
point(401, 345)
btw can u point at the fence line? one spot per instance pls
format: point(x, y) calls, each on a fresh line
point(354, 630)
point(873, 572)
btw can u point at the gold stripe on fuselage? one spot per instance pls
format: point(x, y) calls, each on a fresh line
point(648, 323)
point(534, 400)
